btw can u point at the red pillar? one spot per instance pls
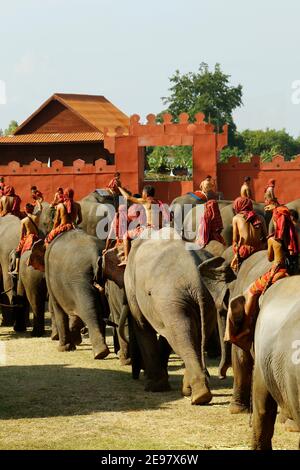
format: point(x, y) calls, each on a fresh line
point(204, 157)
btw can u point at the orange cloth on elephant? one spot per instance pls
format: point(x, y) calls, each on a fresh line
point(10, 191)
point(26, 243)
point(244, 251)
point(57, 231)
point(285, 229)
point(270, 277)
point(211, 225)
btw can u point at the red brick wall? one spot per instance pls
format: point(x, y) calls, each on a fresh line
point(286, 174)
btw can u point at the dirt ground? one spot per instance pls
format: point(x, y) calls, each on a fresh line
point(54, 400)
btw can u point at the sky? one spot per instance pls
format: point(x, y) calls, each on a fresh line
point(126, 50)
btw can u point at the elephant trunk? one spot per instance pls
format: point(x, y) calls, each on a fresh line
point(122, 322)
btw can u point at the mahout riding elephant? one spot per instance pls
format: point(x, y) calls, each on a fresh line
point(276, 376)
point(9, 236)
point(291, 205)
point(30, 285)
point(227, 215)
point(165, 295)
point(242, 361)
point(73, 270)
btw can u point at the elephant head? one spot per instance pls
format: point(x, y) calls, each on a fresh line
point(110, 261)
point(217, 276)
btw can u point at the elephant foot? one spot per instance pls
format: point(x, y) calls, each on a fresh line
point(37, 332)
point(76, 337)
point(238, 408)
point(54, 337)
point(66, 347)
point(161, 385)
point(291, 426)
point(201, 395)
point(20, 328)
point(101, 352)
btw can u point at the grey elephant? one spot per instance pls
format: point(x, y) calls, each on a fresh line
point(117, 299)
point(73, 270)
point(30, 285)
point(276, 376)
point(95, 207)
point(242, 362)
point(9, 236)
point(165, 295)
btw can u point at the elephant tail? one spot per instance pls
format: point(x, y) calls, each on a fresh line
point(124, 315)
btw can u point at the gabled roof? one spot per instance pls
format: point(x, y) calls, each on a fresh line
point(95, 110)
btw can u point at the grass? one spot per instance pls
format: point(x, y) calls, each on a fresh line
point(53, 400)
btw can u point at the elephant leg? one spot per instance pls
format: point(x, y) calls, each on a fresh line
point(165, 351)
point(62, 323)
point(37, 303)
point(123, 351)
point(21, 314)
point(156, 377)
point(186, 342)
point(54, 331)
point(75, 326)
point(134, 351)
point(225, 361)
point(242, 365)
point(88, 313)
point(264, 414)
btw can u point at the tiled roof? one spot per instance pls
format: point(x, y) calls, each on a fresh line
point(93, 109)
point(52, 138)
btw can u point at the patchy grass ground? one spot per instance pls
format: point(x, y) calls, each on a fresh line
point(53, 400)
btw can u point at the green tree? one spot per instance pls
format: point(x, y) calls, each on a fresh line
point(205, 91)
point(11, 127)
point(265, 143)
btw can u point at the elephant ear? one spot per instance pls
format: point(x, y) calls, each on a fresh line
point(111, 268)
point(216, 274)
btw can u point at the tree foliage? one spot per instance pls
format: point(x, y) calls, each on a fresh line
point(265, 143)
point(205, 91)
point(11, 128)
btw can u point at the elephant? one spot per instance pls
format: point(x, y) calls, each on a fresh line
point(95, 208)
point(168, 297)
point(9, 236)
point(117, 299)
point(276, 375)
point(30, 285)
point(73, 271)
point(242, 362)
